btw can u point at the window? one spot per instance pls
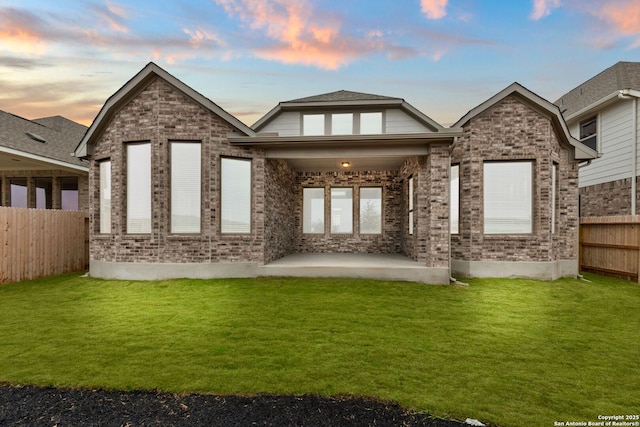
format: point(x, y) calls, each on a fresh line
point(589, 132)
point(341, 210)
point(342, 124)
point(313, 210)
point(371, 210)
point(69, 193)
point(313, 124)
point(370, 123)
point(18, 188)
point(508, 205)
point(454, 191)
point(410, 205)
point(105, 196)
point(185, 187)
point(139, 188)
point(554, 193)
point(235, 195)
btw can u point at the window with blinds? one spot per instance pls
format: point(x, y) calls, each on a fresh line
point(138, 188)
point(508, 197)
point(342, 210)
point(185, 187)
point(235, 196)
point(105, 196)
point(313, 210)
point(371, 210)
point(454, 192)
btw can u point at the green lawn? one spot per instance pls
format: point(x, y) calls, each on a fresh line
point(507, 352)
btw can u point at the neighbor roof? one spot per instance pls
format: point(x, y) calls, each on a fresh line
point(150, 72)
point(345, 98)
point(622, 75)
point(47, 139)
point(582, 152)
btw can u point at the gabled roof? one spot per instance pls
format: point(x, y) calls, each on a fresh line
point(622, 75)
point(346, 99)
point(49, 139)
point(582, 152)
point(130, 89)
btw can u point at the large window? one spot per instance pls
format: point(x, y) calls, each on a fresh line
point(105, 196)
point(454, 191)
point(554, 195)
point(508, 198)
point(371, 210)
point(313, 210)
point(235, 195)
point(139, 188)
point(44, 193)
point(185, 187)
point(341, 210)
point(18, 188)
point(589, 132)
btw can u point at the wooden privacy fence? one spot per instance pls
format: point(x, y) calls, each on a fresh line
point(37, 242)
point(611, 246)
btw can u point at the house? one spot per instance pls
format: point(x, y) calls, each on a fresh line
point(603, 114)
point(37, 169)
point(339, 184)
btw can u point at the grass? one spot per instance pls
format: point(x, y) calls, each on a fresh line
point(507, 352)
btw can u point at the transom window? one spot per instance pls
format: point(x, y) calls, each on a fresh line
point(350, 123)
point(589, 132)
point(508, 197)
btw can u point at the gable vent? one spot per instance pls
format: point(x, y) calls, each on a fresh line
point(36, 137)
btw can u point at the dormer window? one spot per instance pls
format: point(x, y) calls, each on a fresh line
point(352, 123)
point(589, 132)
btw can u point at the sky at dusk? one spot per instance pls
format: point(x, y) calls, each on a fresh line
point(444, 57)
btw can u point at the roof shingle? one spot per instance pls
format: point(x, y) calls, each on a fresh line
point(343, 96)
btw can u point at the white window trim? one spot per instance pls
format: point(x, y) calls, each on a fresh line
point(493, 229)
point(191, 197)
point(105, 186)
point(454, 196)
point(142, 202)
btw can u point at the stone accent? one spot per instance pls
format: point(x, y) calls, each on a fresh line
point(160, 114)
point(389, 241)
point(609, 198)
point(511, 131)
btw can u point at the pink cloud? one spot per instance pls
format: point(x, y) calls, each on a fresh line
point(114, 15)
point(434, 9)
point(542, 8)
point(18, 31)
point(296, 33)
point(623, 16)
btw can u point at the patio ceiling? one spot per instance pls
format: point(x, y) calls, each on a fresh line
point(355, 164)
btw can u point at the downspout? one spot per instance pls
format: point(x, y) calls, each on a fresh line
point(626, 94)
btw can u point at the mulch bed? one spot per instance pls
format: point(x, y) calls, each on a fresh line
point(45, 406)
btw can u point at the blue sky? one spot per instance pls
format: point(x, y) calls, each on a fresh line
point(442, 56)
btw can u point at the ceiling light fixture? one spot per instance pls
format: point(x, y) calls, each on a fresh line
point(345, 164)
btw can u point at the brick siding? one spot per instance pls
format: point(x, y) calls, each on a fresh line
point(511, 131)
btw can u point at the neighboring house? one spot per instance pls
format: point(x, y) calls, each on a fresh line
point(179, 187)
point(37, 168)
point(603, 113)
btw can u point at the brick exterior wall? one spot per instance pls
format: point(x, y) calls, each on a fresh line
point(511, 131)
point(281, 202)
point(389, 241)
point(160, 114)
point(609, 198)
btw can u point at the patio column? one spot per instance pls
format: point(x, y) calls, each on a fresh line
point(438, 186)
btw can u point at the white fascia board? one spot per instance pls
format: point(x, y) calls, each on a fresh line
point(43, 159)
